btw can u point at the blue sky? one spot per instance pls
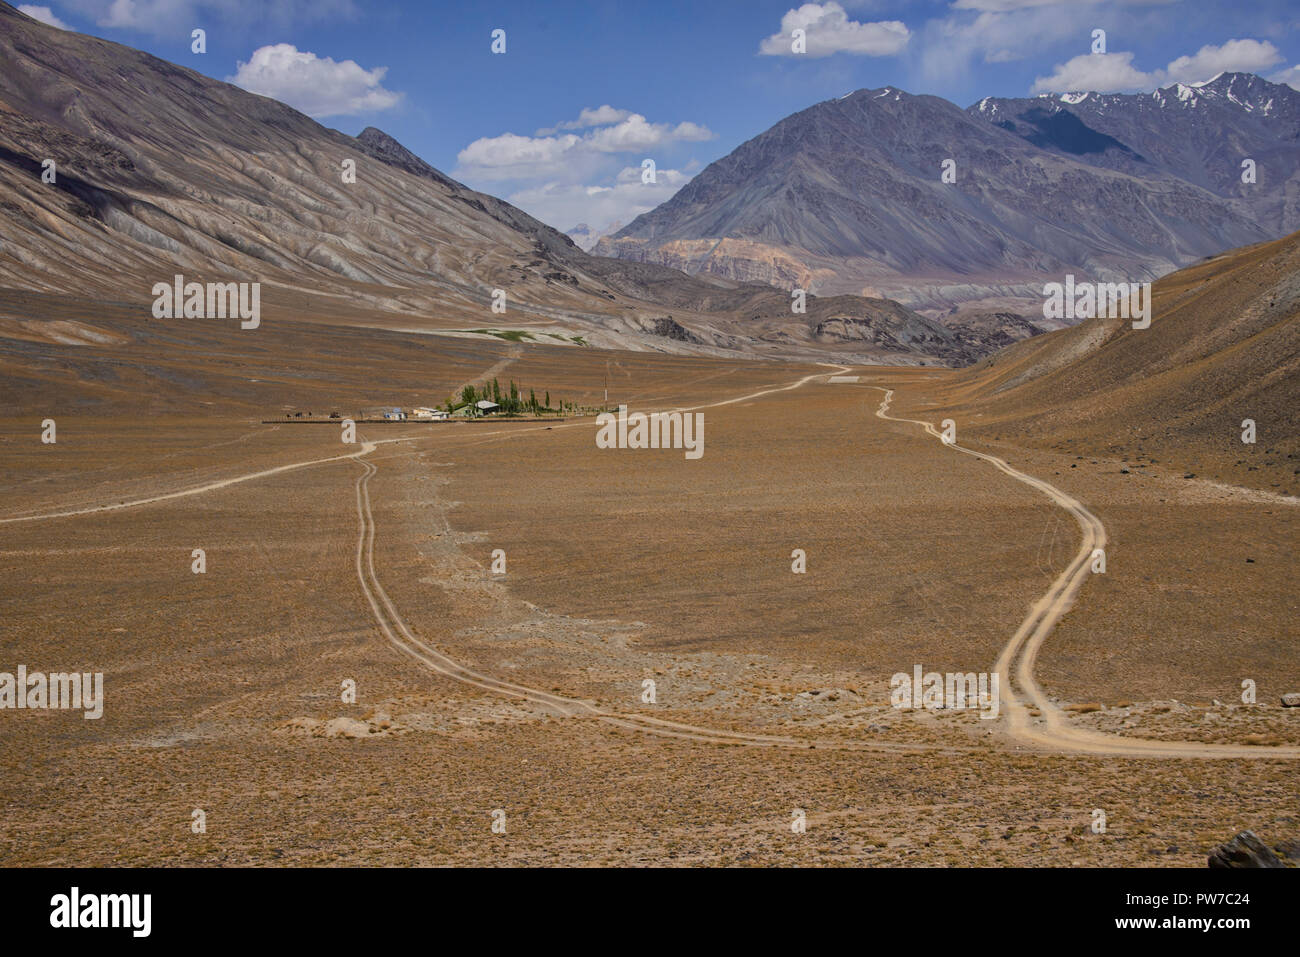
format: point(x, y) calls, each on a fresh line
point(560, 123)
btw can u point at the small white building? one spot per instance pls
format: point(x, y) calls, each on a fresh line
point(428, 414)
point(395, 415)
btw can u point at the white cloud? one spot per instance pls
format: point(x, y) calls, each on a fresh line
point(688, 132)
point(1097, 73)
point(635, 133)
point(829, 30)
point(1114, 72)
point(318, 86)
point(567, 178)
point(600, 116)
point(570, 155)
point(126, 13)
point(566, 205)
point(1003, 31)
point(44, 14)
point(511, 156)
point(1290, 76)
point(949, 46)
point(1246, 56)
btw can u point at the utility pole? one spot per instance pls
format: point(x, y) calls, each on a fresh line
point(606, 405)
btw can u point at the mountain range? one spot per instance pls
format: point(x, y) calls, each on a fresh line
point(157, 170)
point(848, 196)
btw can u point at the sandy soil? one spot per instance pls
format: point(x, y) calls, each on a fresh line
point(772, 688)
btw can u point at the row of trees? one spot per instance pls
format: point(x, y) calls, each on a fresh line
point(511, 401)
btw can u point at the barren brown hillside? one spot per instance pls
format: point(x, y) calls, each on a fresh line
point(241, 187)
point(1223, 346)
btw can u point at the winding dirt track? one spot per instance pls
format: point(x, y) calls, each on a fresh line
point(397, 632)
point(395, 629)
point(1021, 652)
point(366, 449)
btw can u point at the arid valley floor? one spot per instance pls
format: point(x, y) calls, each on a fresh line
point(522, 692)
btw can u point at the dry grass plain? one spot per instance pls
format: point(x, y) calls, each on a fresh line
point(622, 565)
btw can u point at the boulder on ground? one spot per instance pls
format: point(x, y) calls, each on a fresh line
point(1244, 850)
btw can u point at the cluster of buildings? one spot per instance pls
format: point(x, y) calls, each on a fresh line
point(421, 414)
point(398, 414)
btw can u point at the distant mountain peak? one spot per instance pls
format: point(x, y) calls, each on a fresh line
point(1245, 90)
point(374, 136)
point(846, 194)
point(586, 237)
point(1214, 79)
point(252, 192)
point(867, 93)
point(384, 147)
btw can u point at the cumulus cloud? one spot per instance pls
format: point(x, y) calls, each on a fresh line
point(948, 46)
point(44, 14)
point(512, 156)
point(600, 116)
point(635, 133)
point(565, 205)
point(1290, 76)
point(1246, 56)
point(1097, 73)
point(577, 171)
point(318, 86)
point(1114, 72)
point(828, 30)
point(1004, 31)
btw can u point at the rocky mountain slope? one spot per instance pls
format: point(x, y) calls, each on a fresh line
point(1198, 132)
point(159, 170)
point(847, 196)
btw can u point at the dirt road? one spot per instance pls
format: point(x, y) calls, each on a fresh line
point(1021, 651)
point(1015, 663)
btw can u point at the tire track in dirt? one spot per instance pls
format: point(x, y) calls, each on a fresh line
point(1021, 652)
point(366, 449)
point(399, 634)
